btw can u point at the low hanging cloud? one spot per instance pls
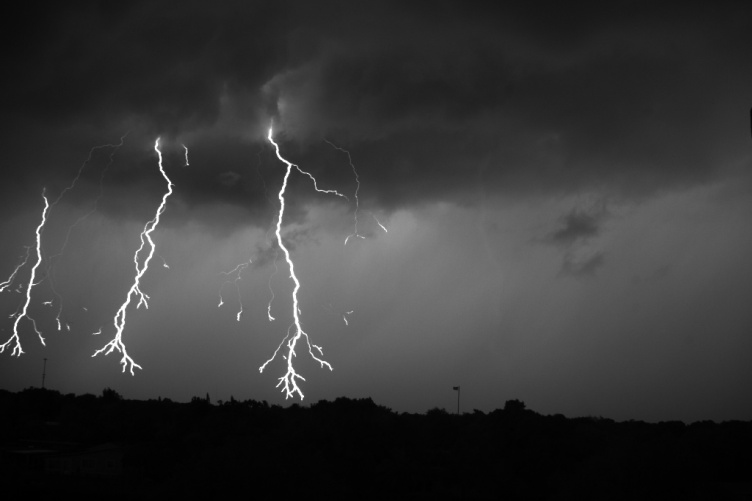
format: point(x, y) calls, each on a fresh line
point(577, 239)
point(577, 226)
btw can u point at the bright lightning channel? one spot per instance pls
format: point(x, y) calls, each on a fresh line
point(295, 331)
point(17, 351)
point(135, 290)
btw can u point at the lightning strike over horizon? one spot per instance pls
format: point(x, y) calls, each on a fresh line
point(295, 332)
point(135, 290)
point(17, 351)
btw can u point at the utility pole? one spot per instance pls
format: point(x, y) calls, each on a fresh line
point(44, 372)
point(457, 389)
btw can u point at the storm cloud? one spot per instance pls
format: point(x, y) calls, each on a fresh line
point(551, 196)
point(556, 100)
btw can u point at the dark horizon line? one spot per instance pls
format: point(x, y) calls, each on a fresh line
point(511, 407)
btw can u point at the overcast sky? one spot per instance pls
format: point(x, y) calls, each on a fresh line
point(565, 194)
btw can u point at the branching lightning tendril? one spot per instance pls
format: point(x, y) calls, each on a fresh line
point(135, 290)
point(12, 277)
point(295, 332)
point(237, 274)
point(24, 310)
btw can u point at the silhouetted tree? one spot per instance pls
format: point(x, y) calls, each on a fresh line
point(110, 395)
point(436, 412)
point(514, 406)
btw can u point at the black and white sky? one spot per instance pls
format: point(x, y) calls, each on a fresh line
point(567, 194)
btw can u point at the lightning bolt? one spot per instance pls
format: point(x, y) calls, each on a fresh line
point(187, 163)
point(17, 351)
point(135, 290)
point(295, 332)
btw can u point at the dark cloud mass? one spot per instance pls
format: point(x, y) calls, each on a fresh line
point(526, 171)
point(555, 98)
point(577, 225)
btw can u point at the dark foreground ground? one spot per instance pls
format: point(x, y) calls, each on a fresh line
point(60, 445)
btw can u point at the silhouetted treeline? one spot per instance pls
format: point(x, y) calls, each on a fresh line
point(65, 444)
